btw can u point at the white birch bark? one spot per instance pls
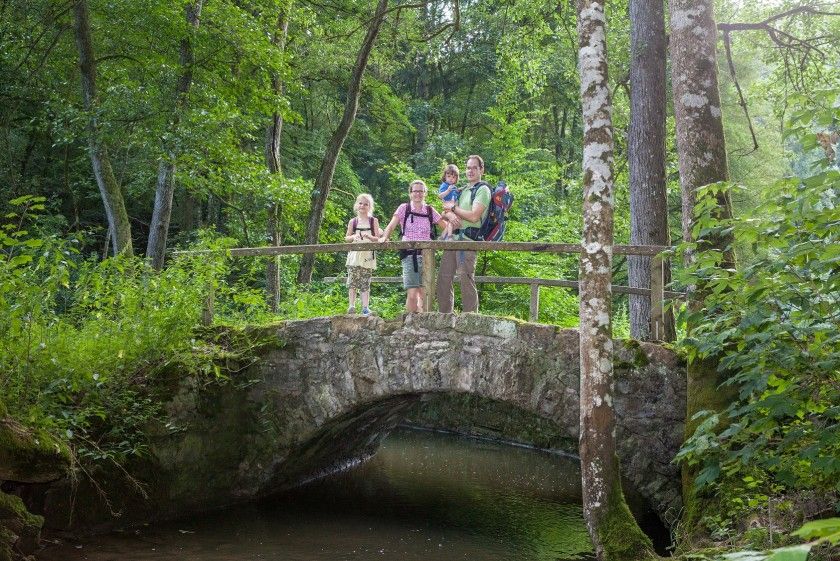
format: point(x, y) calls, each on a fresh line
point(603, 501)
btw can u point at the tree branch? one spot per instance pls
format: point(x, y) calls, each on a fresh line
point(727, 43)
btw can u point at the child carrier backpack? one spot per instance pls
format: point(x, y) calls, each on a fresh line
point(432, 231)
point(492, 229)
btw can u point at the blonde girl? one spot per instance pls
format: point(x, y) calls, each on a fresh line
point(360, 264)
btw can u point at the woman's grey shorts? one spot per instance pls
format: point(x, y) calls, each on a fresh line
point(412, 279)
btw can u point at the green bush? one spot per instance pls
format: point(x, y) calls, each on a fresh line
point(80, 338)
point(773, 325)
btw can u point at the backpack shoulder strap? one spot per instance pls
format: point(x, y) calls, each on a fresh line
point(405, 215)
point(474, 190)
point(432, 230)
point(355, 223)
point(373, 225)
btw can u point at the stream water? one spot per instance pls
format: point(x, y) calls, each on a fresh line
point(423, 496)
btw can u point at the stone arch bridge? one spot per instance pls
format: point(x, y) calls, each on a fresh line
point(325, 391)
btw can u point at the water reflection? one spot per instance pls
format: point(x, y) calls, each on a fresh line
point(424, 496)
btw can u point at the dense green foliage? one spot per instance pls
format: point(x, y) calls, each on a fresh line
point(774, 327)
point(79, 335)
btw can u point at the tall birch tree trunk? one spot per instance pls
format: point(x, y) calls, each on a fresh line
point(272, 161)
point(646, 153)
point(702, 160)
point(109, 188)
point(323, 182)
point(165, 187)
point(613, 531)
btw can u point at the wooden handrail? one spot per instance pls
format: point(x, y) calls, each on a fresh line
point(656, 293)
point(533, 247)
point(616, 288)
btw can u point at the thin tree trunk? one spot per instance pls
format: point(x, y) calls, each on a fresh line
point(702, 160)
point(467, 105)
point(272, 160)
point(646, 153)
point(325, 176)
point(613, 531)
point(560, 135)
point(109, 189)
point(162, 213)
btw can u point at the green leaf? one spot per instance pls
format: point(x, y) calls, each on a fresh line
point(792, 553)
point(18, 260)
point(828, 528)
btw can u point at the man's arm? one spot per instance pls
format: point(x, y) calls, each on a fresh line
point(473, 215)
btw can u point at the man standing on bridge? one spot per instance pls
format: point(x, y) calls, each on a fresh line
point(471, 209)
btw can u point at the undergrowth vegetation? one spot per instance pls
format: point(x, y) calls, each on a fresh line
point(772, 458)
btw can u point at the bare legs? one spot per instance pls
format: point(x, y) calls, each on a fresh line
point(351, 296)
point(414, 299)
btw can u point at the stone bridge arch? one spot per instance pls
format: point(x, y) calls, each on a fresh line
point(324, 392)
point(337, 385)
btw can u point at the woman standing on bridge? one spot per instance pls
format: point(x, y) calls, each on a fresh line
point(361, 264)
point(417, 221)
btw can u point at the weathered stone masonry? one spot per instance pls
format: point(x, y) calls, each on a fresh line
point(325, 391)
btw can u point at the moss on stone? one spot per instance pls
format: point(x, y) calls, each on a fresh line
point(12, 507)
point(619, 533)
point(30, 455)
point(7, 540)
point(19, 528)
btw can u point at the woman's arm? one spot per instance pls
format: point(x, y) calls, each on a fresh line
point(389, 228)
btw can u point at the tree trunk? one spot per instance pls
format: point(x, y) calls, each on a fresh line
point(560, 136)
point(109, 189)
point(325, 176)
point(162, 213)
point(272, 160)
point(613, 531)
point(646, 154)
point(702, 159)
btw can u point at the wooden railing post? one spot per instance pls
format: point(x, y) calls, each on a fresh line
point(535, 303)
point(207, 308)
point(428, 278)
point(657, 298)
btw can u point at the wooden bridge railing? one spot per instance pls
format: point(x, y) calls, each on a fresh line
point(656, 292)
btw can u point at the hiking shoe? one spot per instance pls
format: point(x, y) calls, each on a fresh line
point(351, 310)
point(365, 312)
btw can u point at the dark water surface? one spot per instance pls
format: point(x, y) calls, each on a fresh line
point(423, 496)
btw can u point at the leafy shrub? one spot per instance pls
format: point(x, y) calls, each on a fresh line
point(81, 337)
point(774, 327)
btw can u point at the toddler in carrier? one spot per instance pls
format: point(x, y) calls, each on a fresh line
point(449, 192)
